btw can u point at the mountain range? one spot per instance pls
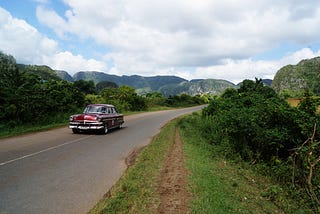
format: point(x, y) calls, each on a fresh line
point(167, 85)
point(289, 81)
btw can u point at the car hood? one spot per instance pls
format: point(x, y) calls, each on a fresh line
point(81, 117)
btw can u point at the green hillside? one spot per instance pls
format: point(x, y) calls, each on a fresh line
point(194, 87)
point(293, 80)
point(43, 71)
point(64, 75)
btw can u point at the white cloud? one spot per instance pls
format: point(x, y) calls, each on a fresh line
point(232, 70)
point(52, 20)
point(192, 39)
point(23, 41)
point(29, 46)
point(186, 32)
point(238, 70)
point(294, 57)
point(68, 62)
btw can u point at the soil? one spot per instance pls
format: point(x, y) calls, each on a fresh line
point(172, 189)
point(174, 196)
point(131, 158)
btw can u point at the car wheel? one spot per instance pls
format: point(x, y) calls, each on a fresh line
point(105, 129)
point(75, 131)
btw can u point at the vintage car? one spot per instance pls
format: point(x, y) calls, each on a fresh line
point(98, 117)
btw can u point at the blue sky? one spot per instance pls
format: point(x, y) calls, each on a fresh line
point(231, 40)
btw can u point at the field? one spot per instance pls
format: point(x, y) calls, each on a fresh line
point(294, 102)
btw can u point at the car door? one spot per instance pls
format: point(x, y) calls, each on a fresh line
point(115, 116)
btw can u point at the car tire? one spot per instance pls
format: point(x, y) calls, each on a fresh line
point(75, 131)
point(105, 129)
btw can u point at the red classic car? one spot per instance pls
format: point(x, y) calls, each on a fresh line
point(99, 117)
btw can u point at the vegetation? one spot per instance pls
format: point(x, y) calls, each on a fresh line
point(136, 192)
point(221, 185)
point(34, 96)
point(255, 125)
point(26, 98)
point(135, 81)
point(218, 184)
point(167, 85)
point(251, 125)
point(44, 72)
point(194, 87)
point(105, 84)
point(293, 80)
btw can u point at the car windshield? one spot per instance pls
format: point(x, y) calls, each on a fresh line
point(93, 109)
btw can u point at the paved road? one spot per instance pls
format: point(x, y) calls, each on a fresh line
point(59, 172)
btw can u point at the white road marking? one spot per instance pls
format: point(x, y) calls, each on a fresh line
point(42, 151)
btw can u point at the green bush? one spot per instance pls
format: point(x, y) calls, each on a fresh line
point(256, 124)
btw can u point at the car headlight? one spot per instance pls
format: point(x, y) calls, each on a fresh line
point(99, 119)
point(71, 118)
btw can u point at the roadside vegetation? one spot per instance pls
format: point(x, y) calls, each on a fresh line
point(136, 191)
point(221, 184)
point(34, 98)
point(217, 184)
point(253, 124)
point(249, 151)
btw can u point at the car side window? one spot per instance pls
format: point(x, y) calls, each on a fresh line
point(103, 110)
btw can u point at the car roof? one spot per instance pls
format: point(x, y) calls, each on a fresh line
point(106, 105)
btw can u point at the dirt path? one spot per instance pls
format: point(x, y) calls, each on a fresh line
point(173, 192)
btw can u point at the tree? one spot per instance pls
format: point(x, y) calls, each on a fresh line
point(86, 87)
point(260, 125)
point(155, 99)
point(105, 84)
point(26, 97)
point(124, 98)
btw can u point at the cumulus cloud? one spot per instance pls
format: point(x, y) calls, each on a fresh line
point(193, 39)
point(29, 46)
point(68, 62)
point(186, 33)
point(238, 70)
point(23, 41)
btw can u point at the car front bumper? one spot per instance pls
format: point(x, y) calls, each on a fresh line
point(86, 126)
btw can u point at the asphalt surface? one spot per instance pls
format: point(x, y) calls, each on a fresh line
point(59, 172)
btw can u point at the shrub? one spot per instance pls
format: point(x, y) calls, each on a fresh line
point(259, 126)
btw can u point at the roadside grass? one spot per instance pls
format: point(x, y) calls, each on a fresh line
point(24, 129)
point(220, 185)
point(13, 129)
point(217, 184)
point(136, 191)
